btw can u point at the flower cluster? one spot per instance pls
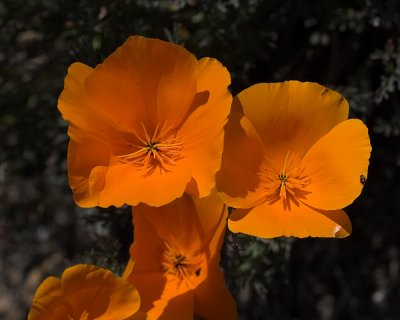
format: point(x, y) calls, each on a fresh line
point(152, 127)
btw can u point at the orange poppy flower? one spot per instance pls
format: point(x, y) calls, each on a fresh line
point(86, 292)
point(292, 161)
point(177, 253)
point(146, 125)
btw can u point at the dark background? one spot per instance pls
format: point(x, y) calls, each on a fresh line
point(350, 46)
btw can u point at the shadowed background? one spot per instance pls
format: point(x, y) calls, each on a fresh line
point(350, 46)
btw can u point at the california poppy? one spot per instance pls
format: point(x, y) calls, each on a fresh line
point(177, 252)
point(86, 292)
point(146, 125)
point(292, 161)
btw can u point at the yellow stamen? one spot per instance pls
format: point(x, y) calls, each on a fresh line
point(289, 185)
point(162, 149)
point(183, 267)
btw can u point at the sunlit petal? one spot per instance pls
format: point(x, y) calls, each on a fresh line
point(269, 221)
point(337, 166)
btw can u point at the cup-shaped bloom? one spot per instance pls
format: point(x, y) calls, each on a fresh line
point(146, 125)
point(292, 161)
point(177, 252)
point(86, 292)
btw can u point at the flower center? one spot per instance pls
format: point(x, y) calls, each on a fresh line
point(183, 267)
point(287, 184)
point(161, 149)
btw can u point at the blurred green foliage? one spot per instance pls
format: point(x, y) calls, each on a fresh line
point(352, 46)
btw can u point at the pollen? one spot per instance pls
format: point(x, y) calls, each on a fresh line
point(287, 184)
point(183, 267)
point(161, 149)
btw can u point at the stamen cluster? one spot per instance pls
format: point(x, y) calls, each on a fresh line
point(161, 149)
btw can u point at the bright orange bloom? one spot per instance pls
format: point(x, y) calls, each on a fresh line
point(146, 125)
point(86, 292)
point(292, 161)
point(177, 253)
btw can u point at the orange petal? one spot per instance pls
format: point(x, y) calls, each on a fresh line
point(173, 306)
point(213, 300)
point(203, 130)
point(162, 299)
point(49, 302)
point(76, 107)
point(151, 286)
point(73, 99)
point(84, 155)
point(87, 130)
point(84, 290)
point(148, 246)
point(292, 116)
point(124, 184)
point(99, 293)
point(336, 164)
point(144, 80)
point(238, 180)
point(211, 220)
point(269, 221)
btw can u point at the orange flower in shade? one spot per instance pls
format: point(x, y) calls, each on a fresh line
point(177, 253)
point(146, 125)
point(86, 292)
point(292, 160)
